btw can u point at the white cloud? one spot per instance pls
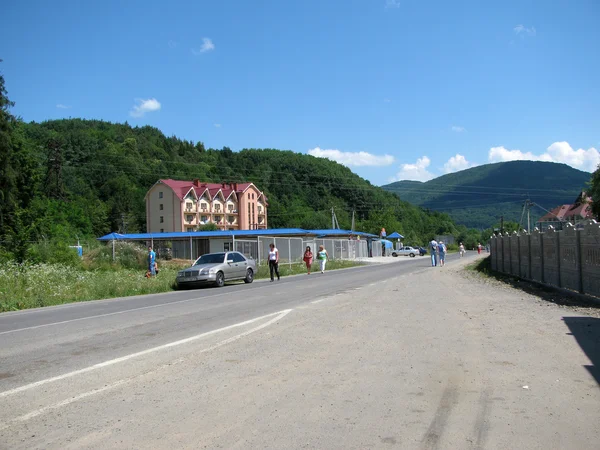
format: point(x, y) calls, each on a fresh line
point(217, 125)
point(457, 163)
point(144, 106)
point(352, 158)
point(560, 152)
point(392, 3)
point(207, 46)
point(587, 160)
point(61, 106)
point(458, 129)
point(387, 100)
point(521, 30)
point(416, 172)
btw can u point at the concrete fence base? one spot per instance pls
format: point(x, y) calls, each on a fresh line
point(568, 259)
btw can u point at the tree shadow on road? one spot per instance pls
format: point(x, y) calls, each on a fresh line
point(586, 331)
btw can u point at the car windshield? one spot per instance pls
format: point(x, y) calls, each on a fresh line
point(211, 258)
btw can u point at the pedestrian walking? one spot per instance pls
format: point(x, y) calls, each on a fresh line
point(151, 262)
point(479, 248)
point(322, 256)
point(461, 250)
point(273, 261)
point(442, 253)
point(308, 258)
point(433, 247)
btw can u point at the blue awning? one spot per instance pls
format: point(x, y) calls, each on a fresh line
point(395, 235)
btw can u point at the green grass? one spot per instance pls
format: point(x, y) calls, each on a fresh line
point(24, 286)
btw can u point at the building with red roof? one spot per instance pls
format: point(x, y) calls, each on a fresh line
point(176, 205)
point(574, 213)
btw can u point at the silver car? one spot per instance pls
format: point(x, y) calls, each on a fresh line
point(217, 268)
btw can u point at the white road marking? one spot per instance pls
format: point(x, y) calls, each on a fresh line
point(279, 315)
point(76, 398)
point(110, 314)
point(318, 301)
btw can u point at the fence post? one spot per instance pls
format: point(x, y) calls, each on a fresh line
point(579, 256)
point(290, 252)
point(529, 255)
point(558, 257)
point(541, 238)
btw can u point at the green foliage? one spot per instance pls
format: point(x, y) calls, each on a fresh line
point(594, 192)
point(92, 177)
point(477, 197)
point(53, 253)
point(208, 227)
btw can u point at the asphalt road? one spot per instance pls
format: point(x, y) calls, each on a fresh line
point(46, 342)
point(398, 355)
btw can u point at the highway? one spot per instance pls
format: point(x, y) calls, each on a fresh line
point(370, 357)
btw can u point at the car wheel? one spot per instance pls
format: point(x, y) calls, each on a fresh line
point(220, 281)
point(412, 255)
point(394, 254)
point(249, 276)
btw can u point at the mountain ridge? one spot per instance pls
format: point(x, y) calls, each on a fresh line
point(478, 196)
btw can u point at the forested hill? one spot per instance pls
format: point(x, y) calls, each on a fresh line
point(84, 178)
point(477, 197)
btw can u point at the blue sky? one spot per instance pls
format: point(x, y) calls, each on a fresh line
point(395, 89)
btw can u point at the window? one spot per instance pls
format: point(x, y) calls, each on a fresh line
point(203, 206)
point(188, 206)
point(162, 230)
point(162, 219)
point(203, 218)
point(231, 219)
point(230, 208)
point(160, 207)
point(160, 194)
point(237, 257)
point(227, 246)
point(190, 218)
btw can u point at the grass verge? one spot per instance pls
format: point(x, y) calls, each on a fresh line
point(24, 286)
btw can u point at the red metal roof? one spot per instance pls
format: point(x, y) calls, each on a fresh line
point(181, 188)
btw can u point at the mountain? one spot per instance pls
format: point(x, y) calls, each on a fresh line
point(477, 197)
point(85, 178)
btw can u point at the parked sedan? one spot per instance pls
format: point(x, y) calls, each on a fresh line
point(406, 251)
point(216, 268)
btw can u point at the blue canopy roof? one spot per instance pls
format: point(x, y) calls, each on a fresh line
point(228, 234)
point(395, 235)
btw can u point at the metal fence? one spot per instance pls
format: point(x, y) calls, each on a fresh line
point(291, 250)
point(567, 259)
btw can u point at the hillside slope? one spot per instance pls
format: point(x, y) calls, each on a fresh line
point(90, 177)
point(477, 197)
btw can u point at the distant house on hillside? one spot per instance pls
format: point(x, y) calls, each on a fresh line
point(174, 205)
point(575, 213)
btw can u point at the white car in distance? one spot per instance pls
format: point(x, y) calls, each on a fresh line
point(406, 251)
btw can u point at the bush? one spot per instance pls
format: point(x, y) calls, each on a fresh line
point(55, 253)
point(127, 255)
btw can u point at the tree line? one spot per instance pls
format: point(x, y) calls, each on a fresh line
point(70, 179)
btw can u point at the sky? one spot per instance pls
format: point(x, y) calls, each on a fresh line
point(393, 89)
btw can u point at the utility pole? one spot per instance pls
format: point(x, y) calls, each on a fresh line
point(352, 227)
point(332, 219)
point(528, 220)
point(501, 224)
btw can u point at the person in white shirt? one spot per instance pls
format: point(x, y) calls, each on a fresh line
point(433, 248)
point(461, 249)
point(273, 261)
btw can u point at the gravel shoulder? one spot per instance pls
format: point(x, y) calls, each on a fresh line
point(439, 358)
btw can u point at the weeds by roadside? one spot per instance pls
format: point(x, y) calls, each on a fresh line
point(482, 270)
